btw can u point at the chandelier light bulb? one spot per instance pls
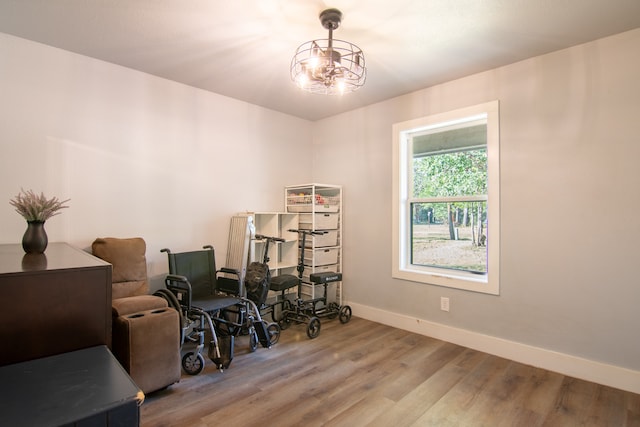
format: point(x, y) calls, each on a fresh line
point(302, 80)
point(313, 62)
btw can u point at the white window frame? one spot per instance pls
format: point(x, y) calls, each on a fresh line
point(401, 216)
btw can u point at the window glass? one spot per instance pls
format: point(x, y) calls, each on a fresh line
point(446, 198)
point(458, 243)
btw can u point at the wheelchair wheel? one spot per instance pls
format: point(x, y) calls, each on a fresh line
point(173, 302)
point(193, 363)
point(274, 332)
point(253, 339)
point(313, 328)
point(345, 314)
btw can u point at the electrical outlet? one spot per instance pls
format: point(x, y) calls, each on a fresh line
point(444, 303)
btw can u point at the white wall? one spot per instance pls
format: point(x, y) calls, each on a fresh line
point(570, 150)
point(139, 155)
point(136, 154)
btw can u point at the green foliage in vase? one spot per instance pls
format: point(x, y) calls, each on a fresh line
point(34, 207)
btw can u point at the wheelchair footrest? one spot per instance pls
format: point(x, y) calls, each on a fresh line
point(225, 347)
point(263, 334)
point(325, 277)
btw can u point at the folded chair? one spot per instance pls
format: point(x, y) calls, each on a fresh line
point(146, 331)
point(211, 300)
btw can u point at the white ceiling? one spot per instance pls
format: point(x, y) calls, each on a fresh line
point(243, 48)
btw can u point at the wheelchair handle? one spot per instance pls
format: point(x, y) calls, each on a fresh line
point(319, 232)
point(273, 239)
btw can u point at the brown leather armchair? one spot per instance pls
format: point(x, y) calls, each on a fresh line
point(146, 331)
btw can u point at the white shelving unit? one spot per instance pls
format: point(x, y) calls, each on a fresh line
point(320, 209)
point(283, 255)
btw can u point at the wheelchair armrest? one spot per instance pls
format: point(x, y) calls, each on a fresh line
point(180, 287)
point(228, 285)
point(175, 282)
point(177, 278)
point(229, 271)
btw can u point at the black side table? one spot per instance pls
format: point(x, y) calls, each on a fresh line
point(81, 388)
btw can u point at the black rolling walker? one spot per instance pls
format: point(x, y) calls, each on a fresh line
point(310, 311)
point(279, 284)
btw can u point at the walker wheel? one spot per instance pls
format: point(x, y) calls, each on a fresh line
point(193, 363)
point(279, 309)
point(314, 307)
point(284, 323)
point(313, 329)
point(333, 309)
point(345, 314)
point(274, 332)
point(287, 309)
point(276, 311)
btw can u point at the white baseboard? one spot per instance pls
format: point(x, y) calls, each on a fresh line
point(597, 372)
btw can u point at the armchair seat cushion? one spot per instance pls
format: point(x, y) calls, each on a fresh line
point(135, 304)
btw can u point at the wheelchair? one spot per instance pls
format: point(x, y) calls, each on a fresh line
point(212, 300)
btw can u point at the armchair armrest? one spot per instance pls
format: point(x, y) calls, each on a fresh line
point(129, 305)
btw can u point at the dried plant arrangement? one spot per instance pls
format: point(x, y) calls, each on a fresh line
point(34, 207)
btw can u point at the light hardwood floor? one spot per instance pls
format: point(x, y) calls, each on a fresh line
point(367, 374)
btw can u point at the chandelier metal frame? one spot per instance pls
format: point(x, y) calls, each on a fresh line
point(328, 66)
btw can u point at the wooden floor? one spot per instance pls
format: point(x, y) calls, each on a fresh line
point(367, 374)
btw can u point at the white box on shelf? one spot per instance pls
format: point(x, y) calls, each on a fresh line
point(305, 203)
point(329, 238)
point(321, 256)
point(323, 221)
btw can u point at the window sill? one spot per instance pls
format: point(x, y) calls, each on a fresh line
point(448, 278)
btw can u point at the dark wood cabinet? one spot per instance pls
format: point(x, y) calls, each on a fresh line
point(52, 303)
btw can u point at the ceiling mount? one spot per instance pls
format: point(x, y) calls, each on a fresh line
point(328, 66)
point(331, 18)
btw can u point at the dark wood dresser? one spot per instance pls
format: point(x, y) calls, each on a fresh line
point(56, 367)
point(52, 303)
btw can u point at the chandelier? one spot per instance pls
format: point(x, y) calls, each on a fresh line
point(328, 66)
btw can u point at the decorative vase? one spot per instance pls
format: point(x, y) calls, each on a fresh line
point(35, 239)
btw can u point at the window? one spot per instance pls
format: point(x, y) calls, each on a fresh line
point(446, 199)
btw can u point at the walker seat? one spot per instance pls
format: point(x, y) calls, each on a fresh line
point(325, 277)
point(283, 282)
